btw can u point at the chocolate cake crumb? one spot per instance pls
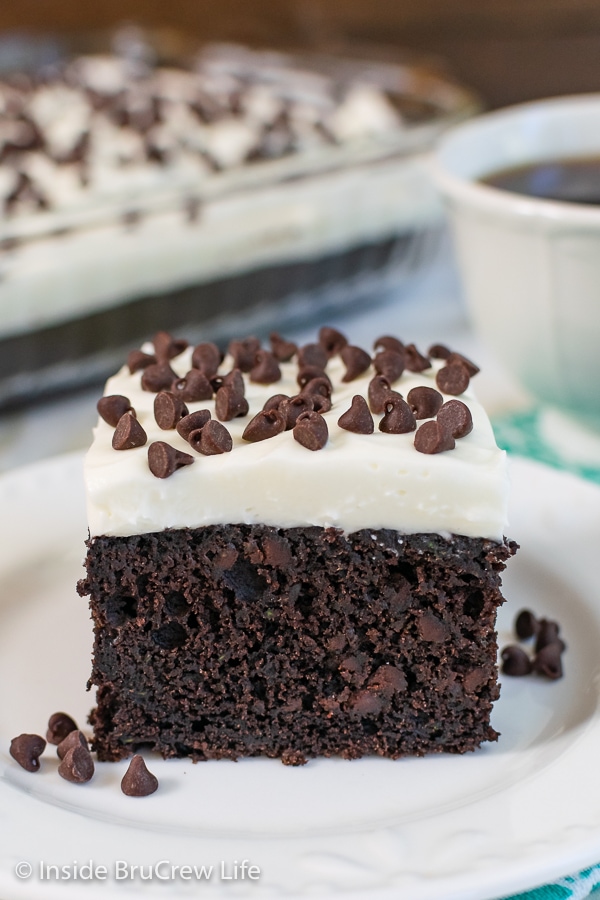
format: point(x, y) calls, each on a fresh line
point(137, 780)
point(26, 749)
point(262, 601)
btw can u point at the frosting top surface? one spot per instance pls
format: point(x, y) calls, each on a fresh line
point(355, 481)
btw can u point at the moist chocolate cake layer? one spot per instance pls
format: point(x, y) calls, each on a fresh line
point(233, 641)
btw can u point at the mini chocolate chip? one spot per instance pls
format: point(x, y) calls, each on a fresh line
point(398, 417)
point(212, 439)
point(282, 350)
point(356, 361)
point(378, 392)
point(293, 407)
point(59, 726)
point(387, 342)
point(320, 384)
point(455, 416)
point(229, 404)
point(163, 459)
point(357, 419)
point(206, 357)
point(26, 750)
point(415, 361)
point(310, 373)
point(128, 433)
point(452, 378)
point(264, 425)
point(77, 765)
point(194, 387)
point(73, 739)
point(431, 437)
point(311, 430)
point(515, 661)
point(526, 625)
point(166, 347)
point(158, 377)
point(138, 360)
point(111, 408)
point(547, 634)
point(266, 368)
point(244, 353)
point(312, 355)
point(424, 401)
point(275, 401)
point(320, 403)
point(331, 340)
point(471, 368)
point(389, 364)
point(137, 780)
point(439, 351)
point(547, 661)
point(168, 410)
point(192, 422)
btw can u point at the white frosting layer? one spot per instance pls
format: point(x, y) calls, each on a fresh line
point(356, 481)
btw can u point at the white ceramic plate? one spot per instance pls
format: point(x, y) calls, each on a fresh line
point(513, 814)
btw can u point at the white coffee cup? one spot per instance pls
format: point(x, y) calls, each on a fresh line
point(530, 267)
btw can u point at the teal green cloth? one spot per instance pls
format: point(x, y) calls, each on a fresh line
point(521, 434)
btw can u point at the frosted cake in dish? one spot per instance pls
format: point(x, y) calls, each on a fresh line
point(294, 552)
point(137, 197)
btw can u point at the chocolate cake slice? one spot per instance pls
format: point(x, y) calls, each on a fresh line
point(305, 564)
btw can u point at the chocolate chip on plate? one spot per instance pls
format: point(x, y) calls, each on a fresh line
point(59, 726)
point(515, 661)
point(77, 765)
point(526, 625)
point(73, 739)
point(26, 750)
point(137, 780)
